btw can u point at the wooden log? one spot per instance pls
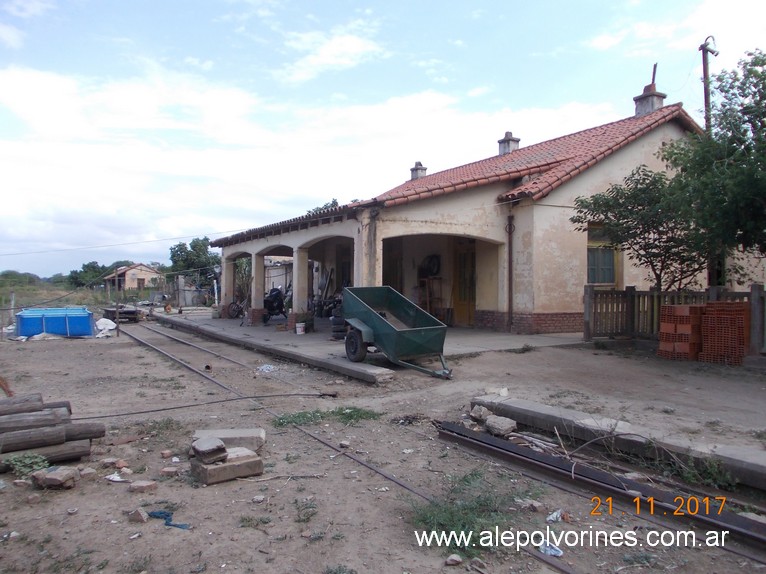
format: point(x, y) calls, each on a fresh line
point(59, 404)
point(32, 438)
point(43, 418)
point(67, 451)
point(80, 431)
point(21, 404)
point(62, 414)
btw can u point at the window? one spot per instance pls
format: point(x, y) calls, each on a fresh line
point(600, 265)
point(600, 257)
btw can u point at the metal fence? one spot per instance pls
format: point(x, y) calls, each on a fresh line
point(636, 314)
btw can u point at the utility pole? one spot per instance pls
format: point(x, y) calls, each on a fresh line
point(706, 49)
point(717, 262)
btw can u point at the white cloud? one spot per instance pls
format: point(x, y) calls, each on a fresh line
point(178, 157)
point(607, 41)
point(479, 91)
point(11, 36)
point(204, 65)
point(27, 8)
point(343, 48)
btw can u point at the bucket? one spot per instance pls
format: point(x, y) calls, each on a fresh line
point(300, 328)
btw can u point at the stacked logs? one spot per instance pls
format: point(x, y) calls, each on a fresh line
point(28, 425)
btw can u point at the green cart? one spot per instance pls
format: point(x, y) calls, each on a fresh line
point(383, 317)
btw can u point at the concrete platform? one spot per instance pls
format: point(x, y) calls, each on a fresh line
point(747, 465)
point(319, 349)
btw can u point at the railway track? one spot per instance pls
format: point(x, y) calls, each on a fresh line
point(653, 508)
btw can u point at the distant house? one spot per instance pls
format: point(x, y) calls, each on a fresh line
point(488, 244)
point(136, 276)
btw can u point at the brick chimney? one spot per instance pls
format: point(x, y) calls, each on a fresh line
point(649, 101)
point(508, 143)
point(418, 171)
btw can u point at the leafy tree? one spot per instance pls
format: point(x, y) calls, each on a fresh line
point(328, 205)
point(194, 259)
point(644, 218)
point(89, 275)
point(715, 203)
point(243, 273)
point(16, 279)
point(723, 173)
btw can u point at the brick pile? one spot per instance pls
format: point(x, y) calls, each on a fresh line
point(681, 332)
point(718, 332)
point(725, 332)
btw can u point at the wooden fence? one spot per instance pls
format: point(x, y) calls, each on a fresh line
point(636, 314)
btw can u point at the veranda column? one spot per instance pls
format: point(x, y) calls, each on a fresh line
point(227, 283)
point(258, 281)
point(300, 280)
point(368, 252)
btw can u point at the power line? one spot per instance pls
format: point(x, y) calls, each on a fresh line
point(119, 244)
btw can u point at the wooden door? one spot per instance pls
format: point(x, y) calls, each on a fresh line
point(464, 285)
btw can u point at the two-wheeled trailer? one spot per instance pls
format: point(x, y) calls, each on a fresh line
point(384, 318)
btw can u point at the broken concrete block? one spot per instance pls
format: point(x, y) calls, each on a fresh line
point(109, 462)
point(88, 473)
point(480, 413)
point(138, 515)
point(143, 486)
point(167, 453)
point(240, 463)
point(500, 426)
point(169, 471)
point(209, 450)
point(56, 477)
point(251, 438)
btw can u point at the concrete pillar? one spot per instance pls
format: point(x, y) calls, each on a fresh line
point(300, 280)
point(257, 289)
point(227, 282)
point(368, 252)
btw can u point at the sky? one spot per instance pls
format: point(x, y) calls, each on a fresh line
point(129, 127)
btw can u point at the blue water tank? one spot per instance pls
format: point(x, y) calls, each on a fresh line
point(66, 321)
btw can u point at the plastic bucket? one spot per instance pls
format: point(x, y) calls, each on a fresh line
point(300, 328)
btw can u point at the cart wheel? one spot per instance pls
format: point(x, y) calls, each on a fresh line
point(356, 350)
point(234, 311)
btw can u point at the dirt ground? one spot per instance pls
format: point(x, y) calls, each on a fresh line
point(313, 510)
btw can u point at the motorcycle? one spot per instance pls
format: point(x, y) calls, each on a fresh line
point(274, 304)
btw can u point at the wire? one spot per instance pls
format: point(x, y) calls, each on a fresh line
point(118, 244)
point(317, 395)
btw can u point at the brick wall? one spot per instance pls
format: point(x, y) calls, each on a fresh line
point(530, 323)
point(494, 320)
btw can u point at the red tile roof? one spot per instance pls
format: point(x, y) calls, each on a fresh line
point(553, 162)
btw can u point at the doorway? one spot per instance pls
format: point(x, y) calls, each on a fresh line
point(464, 286)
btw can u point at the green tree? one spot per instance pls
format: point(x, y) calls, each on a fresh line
point(195, 260)
point(644, 218)
point(328, 205)
point(723, 173)
point(89, 275)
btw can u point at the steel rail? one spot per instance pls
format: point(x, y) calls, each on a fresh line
point(750, 530)
point(198, 347)
point(549, 561)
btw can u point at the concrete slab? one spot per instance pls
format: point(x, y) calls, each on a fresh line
point(240, 463)
point(319, 349)
point(250, 438)
point(747, 465)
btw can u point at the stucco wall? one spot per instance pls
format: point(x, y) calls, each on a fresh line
point(560, 253)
